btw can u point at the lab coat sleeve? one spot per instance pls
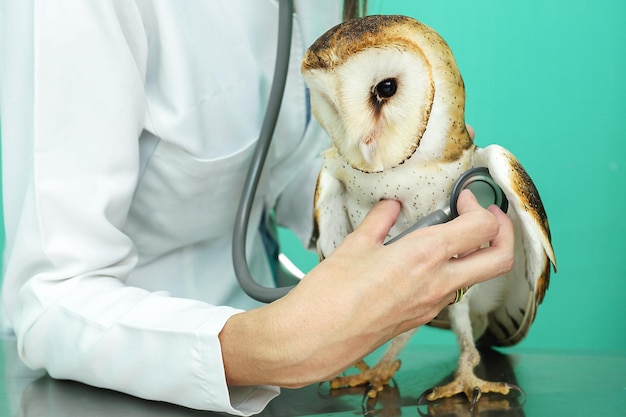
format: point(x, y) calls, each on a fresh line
point(73, 107)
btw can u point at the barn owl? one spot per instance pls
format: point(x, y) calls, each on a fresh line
point(388, 92)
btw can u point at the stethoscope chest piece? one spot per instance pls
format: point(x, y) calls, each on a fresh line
point(479, 182)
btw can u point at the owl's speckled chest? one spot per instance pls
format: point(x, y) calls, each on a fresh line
point(422, 187)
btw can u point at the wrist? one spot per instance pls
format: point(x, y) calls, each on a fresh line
point(290, 343)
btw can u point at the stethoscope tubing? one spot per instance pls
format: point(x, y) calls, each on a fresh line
point(281, 68)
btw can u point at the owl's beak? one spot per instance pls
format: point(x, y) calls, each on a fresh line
point(368, 150)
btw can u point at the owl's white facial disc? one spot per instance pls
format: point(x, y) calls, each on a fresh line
point(375, 106)
point(385, 96)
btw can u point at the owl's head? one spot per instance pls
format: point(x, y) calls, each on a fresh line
point(387, 88)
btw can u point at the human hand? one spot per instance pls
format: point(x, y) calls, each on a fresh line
point(426, 267)
point(471, 131)
point(365, 293)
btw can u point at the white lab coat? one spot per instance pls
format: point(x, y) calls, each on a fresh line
point(127, 130)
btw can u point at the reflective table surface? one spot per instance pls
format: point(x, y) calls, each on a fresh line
point(556, 383)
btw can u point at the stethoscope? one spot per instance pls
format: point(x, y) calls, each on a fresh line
point(477, 180)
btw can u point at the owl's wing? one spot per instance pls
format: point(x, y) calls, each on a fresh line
point(331, 219)
point(530, 277)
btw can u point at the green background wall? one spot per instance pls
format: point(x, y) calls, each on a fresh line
point(547, 80)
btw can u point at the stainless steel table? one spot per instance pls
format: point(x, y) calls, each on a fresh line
point(556, 383)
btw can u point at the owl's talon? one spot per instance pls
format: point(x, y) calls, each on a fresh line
point(475, 396)
point(424, 396)
point(513, 387)
point(473, 388)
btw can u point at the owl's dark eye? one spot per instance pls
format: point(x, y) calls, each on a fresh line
point(386, 88)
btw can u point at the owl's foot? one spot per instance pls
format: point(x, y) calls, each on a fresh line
point(375, 378)
point(472, 386)
point(458, 406)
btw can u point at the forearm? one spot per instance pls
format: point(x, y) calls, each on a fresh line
point(257, 349)
point(306, 337)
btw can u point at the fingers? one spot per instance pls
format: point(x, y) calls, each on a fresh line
point(505, 237)
point(472, 248)
point(380, 219)
point(474, 227)
point(471, 131)
point(488, 262)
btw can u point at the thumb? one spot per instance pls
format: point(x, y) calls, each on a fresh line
point(380, 219)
